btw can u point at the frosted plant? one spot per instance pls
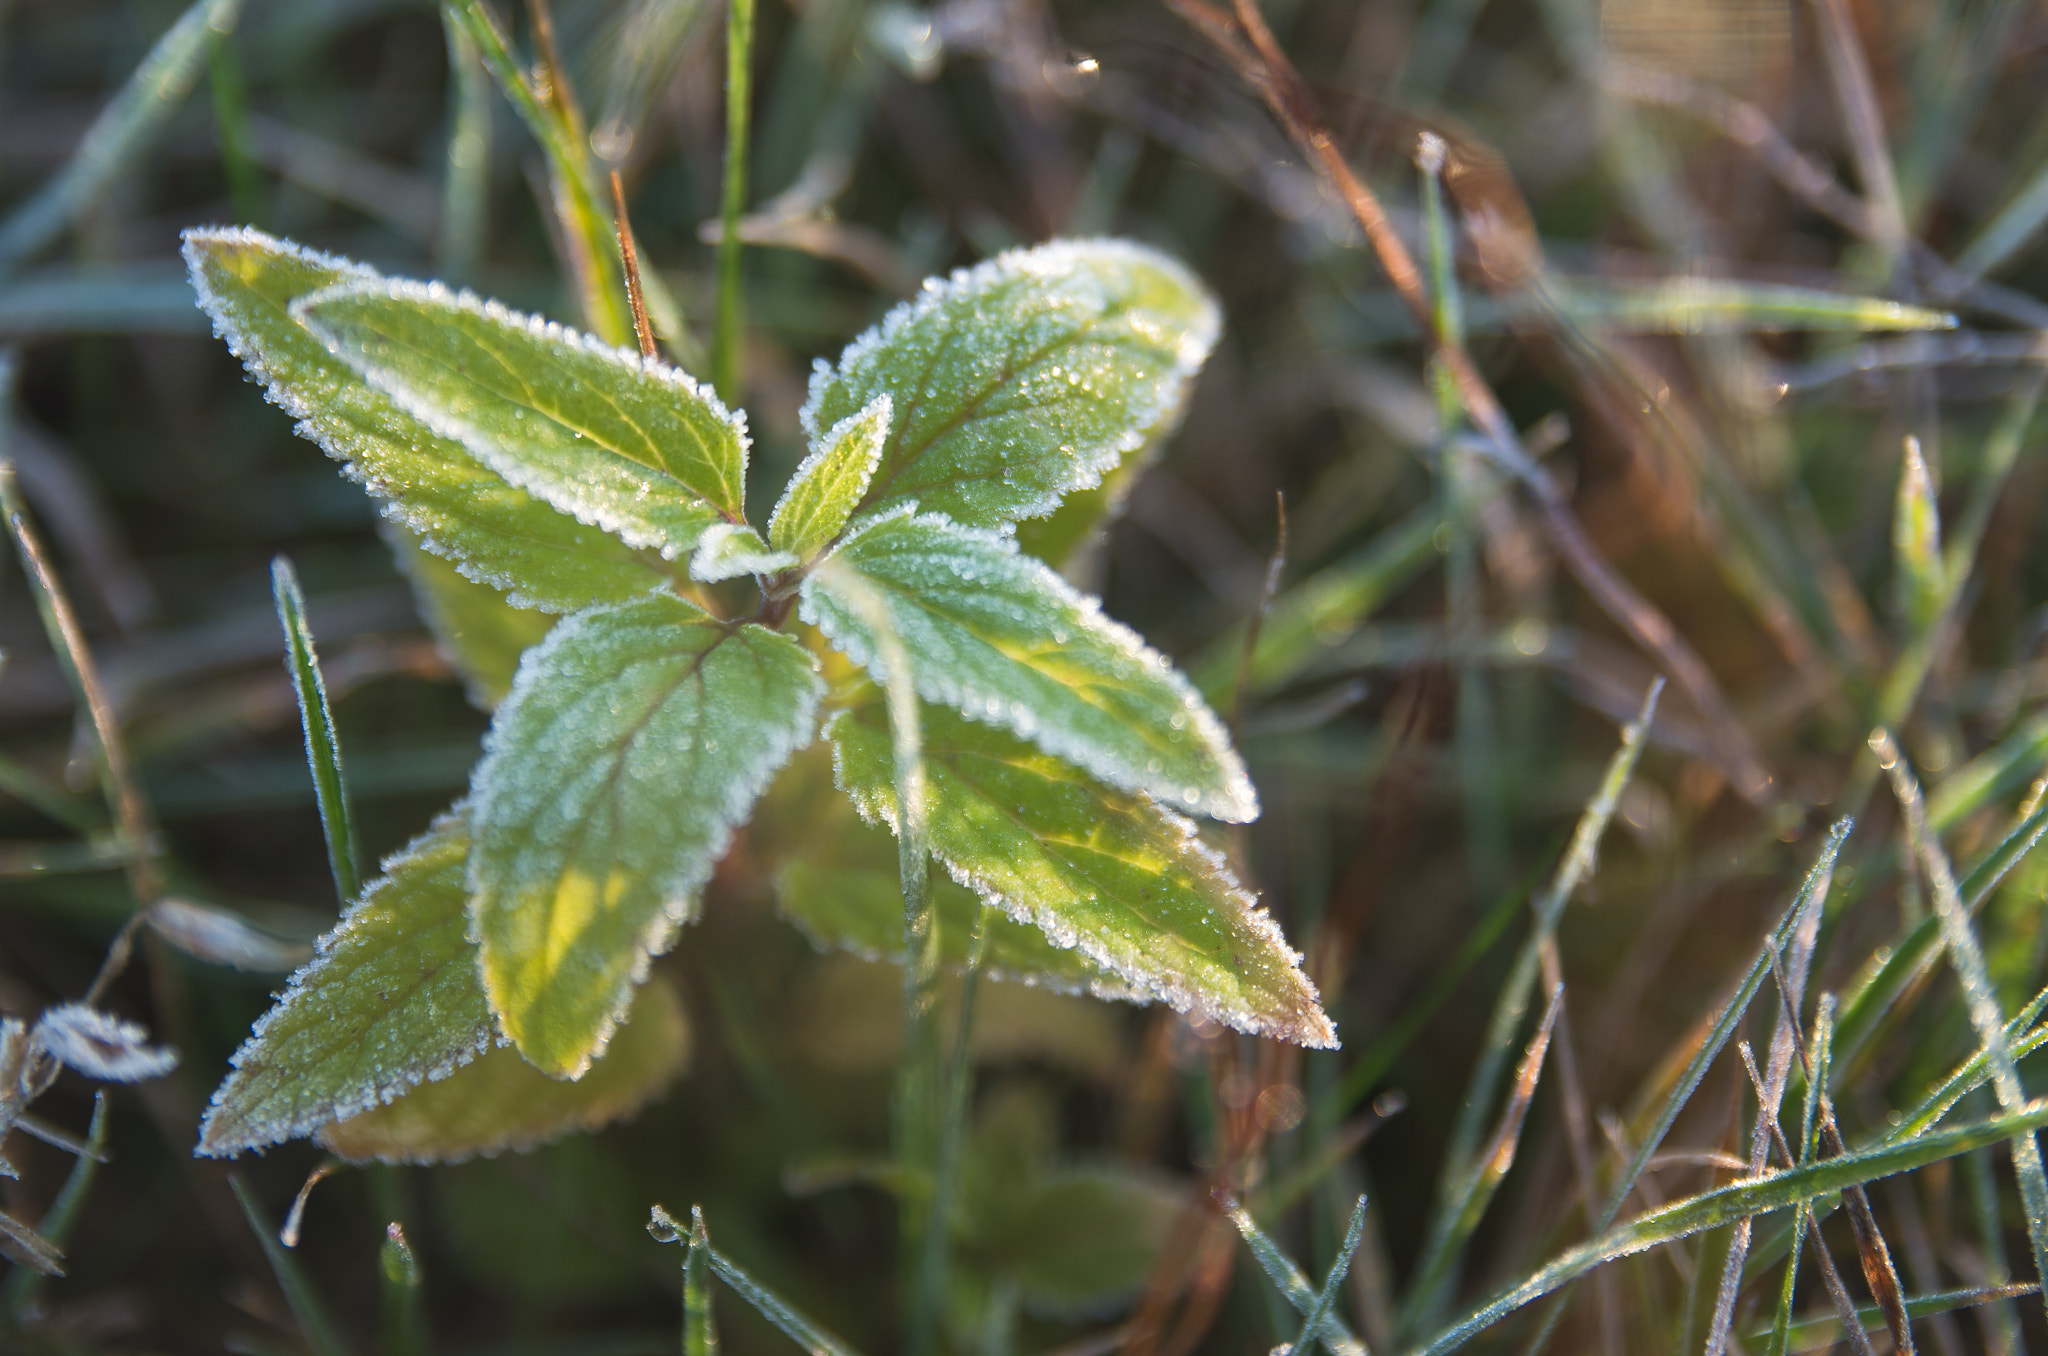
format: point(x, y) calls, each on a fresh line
point(1061, 754)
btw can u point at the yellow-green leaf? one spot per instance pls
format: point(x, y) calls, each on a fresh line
point(501, 1102)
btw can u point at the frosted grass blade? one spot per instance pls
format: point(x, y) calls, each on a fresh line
point(391, 999)
point(311, 1315)
point(1293, 1286)
point(1751, 1196)
point(499, 1101)
point(495, 533)
point(122, 131)
point(621, 442)
point(323, 750)
point(635, 739)
point(998, 636)
point(1024, 378)
point(1113, 875)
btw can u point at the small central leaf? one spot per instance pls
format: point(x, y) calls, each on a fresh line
point(1000, 637)
point(635, 739)
point(823, 492)
point(619, 441)
point(1022, 379)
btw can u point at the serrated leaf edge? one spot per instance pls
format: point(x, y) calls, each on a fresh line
point(1045, 260)
point(380, 1094)
point(1239, 803)
point(484, 449)
point(389, 503)
point(881, 409)
point(680, 895)
point(1321, 1035)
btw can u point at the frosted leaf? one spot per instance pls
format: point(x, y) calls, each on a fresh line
point(1023, 378)
point(390, 1000)
point(729, 550)
point(843, 889)
point(494, 533)
point(100, 1045)
point(981, 623)
point(613, 439)
point(501, 1102)
point(823, 492)
point(1116, 876)
point(222, 938)
point(635, 739)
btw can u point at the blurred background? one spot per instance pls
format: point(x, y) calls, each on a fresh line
point(1689, 241)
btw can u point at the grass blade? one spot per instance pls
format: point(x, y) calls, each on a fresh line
point(1751, 1196)
point(314, 1324)
point(122, 131)
point(1318, 1315)
point(1981, 1000)
point(1462, 1173)
point(739, 62)
point(1288, 1279)
point(770, 1306)
point(323, 749)
point(466, 188)
point(18, 1295)
point(700, 1334)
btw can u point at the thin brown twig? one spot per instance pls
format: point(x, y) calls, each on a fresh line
point(1242, 36)
point(630, 256)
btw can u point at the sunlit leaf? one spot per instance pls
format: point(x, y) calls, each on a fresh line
point(616, 440)
point(501, 1102)
point(635, 739)
point(1112, 874)
point(842, 888)
point(390, 1000)
point(1024, 378)
point(1000, 637)
point(494, 533)
point(823, 492)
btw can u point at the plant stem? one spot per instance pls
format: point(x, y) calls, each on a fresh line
point(739, 56)
point(931, 1274)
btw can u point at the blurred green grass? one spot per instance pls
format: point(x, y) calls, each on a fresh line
point(1417, 759)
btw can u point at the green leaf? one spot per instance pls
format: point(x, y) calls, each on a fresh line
point(495, 534)
point(635, 739)
point(842, 889)
point(823, 492)
point(729, 550)
point(1023, 378)
point(1003, 639)
point(501, 1102)
point(1113, 875)
point(621, 442)
point(390, 1000)
point(480, 633)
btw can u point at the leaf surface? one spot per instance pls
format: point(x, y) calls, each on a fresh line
point(391, 999)
point(824, 491)
point(1111, 874)
point(501, 1102)
point(613, 439)
point(729, 550)
point(495, 533)
point(842, 889)
point(480, 633)
point(635, 739)
point(998, 636)
point(1024, 378)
